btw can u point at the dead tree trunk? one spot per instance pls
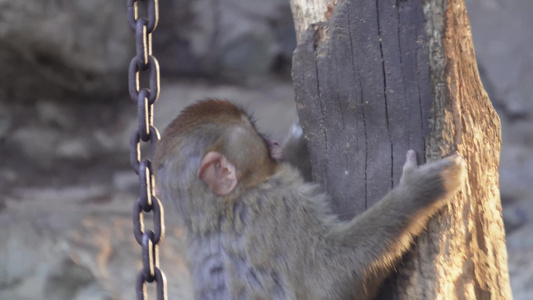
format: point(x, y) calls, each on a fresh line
point(376, 78)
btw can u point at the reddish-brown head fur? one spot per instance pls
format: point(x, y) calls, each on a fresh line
point(232, 130)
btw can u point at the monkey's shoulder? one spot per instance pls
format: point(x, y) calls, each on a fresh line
point(288, 184)
point(288, 200)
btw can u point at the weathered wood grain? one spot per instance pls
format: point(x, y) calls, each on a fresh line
point(376, 78)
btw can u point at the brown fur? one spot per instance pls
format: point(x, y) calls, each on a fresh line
point(249, 151)
point(274, 236)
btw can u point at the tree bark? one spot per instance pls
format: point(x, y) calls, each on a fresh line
point(376, 78)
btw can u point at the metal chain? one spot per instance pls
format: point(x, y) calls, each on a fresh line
point(147, 202)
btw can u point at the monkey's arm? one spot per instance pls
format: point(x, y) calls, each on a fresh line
point(383, 233)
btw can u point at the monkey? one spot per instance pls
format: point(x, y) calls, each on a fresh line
point(257, 230)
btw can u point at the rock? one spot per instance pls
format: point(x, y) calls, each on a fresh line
point(55, 114)
point(515, 172)
point(172, 46)
point(228, 38)
point(66, 280)
point(94, 291)
point(286, 37)
point(515, 217)
point(37, 143)
point(520, 251)
point(45, 145)
point(8, 175)
point(503, 48)
point(60, 244)
point(76, 148)
point(125, 180)
point(7, 178)
point(6, 122)
point(58, 48)
point(248, 55)
point(108, 142)
point(237, 39)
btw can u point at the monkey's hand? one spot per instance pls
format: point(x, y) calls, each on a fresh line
point(432, 182)
point(382, 234)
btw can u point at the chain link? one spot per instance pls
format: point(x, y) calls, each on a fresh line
point(147, 201)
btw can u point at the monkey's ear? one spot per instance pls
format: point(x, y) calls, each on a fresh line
point(218, 173)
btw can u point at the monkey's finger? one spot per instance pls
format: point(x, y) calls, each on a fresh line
point(410, 160)
point(455, 161)
point(455, 154)
point(448, 165)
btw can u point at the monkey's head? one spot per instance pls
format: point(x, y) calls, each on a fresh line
point(212, 149)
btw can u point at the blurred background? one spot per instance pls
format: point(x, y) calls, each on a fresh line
point(66, 188)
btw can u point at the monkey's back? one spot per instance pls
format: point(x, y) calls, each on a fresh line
point(262, 248)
